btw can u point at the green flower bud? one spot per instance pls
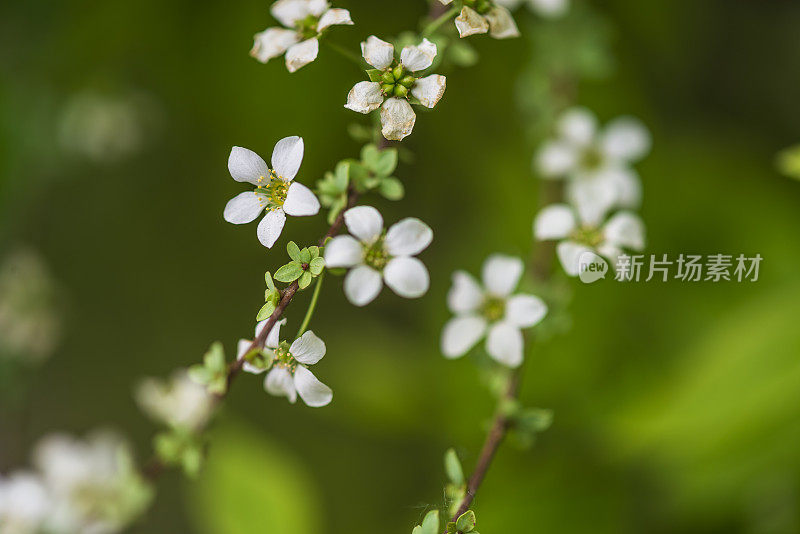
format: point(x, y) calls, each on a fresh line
point(387, 77)
point(398, 72)
point(408, 81)
point(387, 88)
point(401, 91)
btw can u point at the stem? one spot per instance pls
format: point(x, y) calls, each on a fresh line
point(342, 51)
point(312, 306)
point(428, 30)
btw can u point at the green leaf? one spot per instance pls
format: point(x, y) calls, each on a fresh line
point(452, 466)
point(374, 75)
point(270, 283)
point(314, 250)
point(369, 156)
point(265, 311)
point(466, 521)
point(430, 525)
point(535, 419)
point(289, 272)
point(214, 359)
point(391, 188)
point(305, 280)
point(386, 162)
point(316, 266)
point(293, 250)
point(305, 255)
point(199, 374)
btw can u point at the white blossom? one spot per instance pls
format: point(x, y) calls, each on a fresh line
point(94, 486)
point(394, 82)
point(179, 402)
point(544, 8)
point(287, 366)
point(623, 230)
point(491, 311)
point(304, 21)
point(375, 256)
point(24, 503)
point(482, 16)
point(597, 164)
point(275, 192)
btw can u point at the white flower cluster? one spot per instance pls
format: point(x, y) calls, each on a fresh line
point(179, 403)
point(78, 487)
point(601, 187)
point(482, 16)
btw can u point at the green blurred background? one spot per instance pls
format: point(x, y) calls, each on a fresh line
point(677, 405)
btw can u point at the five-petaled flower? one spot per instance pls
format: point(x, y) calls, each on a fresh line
point(394, 82)
point(491, 311)
point(275, 193)
point(623, 230)
point(288, 373)
point(375, 255)
point(596, 164)
point(481, 16)
point(306, 20)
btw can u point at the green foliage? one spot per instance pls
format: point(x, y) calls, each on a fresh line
point(179, 448)
point(466, 522)
point(272, 296)
point(452, 466)
point(332, 189)
point(788, 162)
point(525, 423)
point(306, 265)
point(430, 525)
point(213, 372)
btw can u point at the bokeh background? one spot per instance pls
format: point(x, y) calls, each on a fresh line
point(677, 405)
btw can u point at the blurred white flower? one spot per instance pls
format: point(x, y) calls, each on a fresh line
point(288, 373)
point(481, 16)
point(29, 323)
point(306, 20)
point(543, 8)
point(374, 255)
point(94, 485)
point(106, 127)
point(623, 230)
point(275, 193)
point(24, 503)
point(179, 402)
point(597, 164)
point(394, 82)
point(491, 311)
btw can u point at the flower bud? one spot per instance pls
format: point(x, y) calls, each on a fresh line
point(387, 88)
point(401, 91)
point(408, 81)
point(398, 72)
point(387, 77)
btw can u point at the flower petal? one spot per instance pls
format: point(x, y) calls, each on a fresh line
point(525, 311)
point(469, 22)
point(569, 254)
point(343, 251)
point(243, 208)
point(289, 12)
point(365, 97)
point(308, 348)
point(549, 8)
point(271, 43)
point(625, 138)
point(397, 119)
point(407, 277)
point(274, 336)
point(429, 90)
point(377, 53)
point(334, 17)
point(577, 125)
point(270, 227)
point(279, 382)
point(465, 295)
point(300, 201)
point(241, 350)
point(317, 7)
point(364, 222)
point(554, 222)
point(555, 159)
point(302, 54)
point(592, 197)
point(313, 392)
point(460, 334)
point(628, 186)
point(362, 284)
point(408, 237)
point(246, 166)
point(501, 23)
point(624, 230)
point(504, 343)
point(501, 274)
point(287, 157)
point(420, 57)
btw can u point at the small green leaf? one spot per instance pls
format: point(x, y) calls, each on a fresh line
point(316, 266)
point(305, 280)
point(199, 374)
point(293, 250)
point(370, 155)
point(268, 280)
point(374, 75)
point(386, 162)
point(430, 525)
point(192, 461)
point(452, 466)
point(214, 359)
point(391, 188)
point(305, 255)
point(466, 521)
point(265, 311)
point(289, 272)
point(314, 250)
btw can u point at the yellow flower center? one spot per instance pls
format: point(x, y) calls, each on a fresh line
point(272, 190)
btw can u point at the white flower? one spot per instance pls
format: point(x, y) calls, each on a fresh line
point(94, 485)
point(306, 20)
point(544, 8)
point(375, 256)
point(397, 80)
point(275, 193)
point(288, 373)
point(623, 230)
point(491, 311)
point(597, 164)
point(481, 16)
point(179, 402)
point(24, 503)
